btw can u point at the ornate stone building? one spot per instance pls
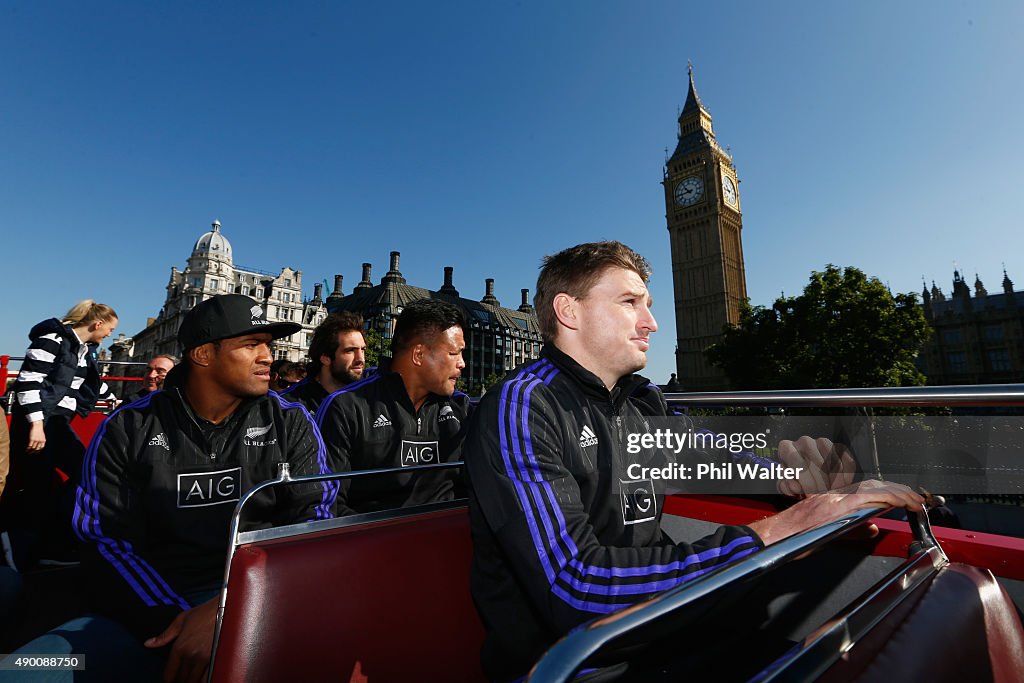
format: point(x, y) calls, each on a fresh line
point(702, 209)
point(211, 270)
point(976, 339)
point(497, 340)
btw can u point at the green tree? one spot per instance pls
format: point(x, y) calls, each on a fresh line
point(845, 330)
point(377, 347)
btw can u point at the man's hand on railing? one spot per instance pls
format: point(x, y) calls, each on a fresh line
point(824, 466)
point(819, 508)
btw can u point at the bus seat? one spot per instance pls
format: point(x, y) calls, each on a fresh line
point(375, 602)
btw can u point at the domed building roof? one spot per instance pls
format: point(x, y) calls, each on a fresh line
point(213, 244)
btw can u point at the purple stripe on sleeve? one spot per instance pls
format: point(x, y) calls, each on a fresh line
point(322, 410)
point(529, 470)
point(330, 488)
point(87, 525)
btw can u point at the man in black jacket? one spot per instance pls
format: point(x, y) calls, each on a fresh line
point(161, 479)
point(409, 414)
point(561, 532)
point(337, 358)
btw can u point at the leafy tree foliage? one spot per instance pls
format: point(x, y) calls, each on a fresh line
point(377, 347)
point(844, 330)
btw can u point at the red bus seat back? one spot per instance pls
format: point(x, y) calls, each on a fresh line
point(381, 601)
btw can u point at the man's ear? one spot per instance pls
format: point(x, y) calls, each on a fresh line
point(325, 360)
point(418, 353)
point(202, 355)
point(566, 310)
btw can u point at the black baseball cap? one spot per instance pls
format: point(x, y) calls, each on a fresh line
point(226, 316)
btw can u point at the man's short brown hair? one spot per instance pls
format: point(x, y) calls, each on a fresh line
point(575, 270)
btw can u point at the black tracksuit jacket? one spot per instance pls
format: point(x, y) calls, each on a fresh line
point(158, 490)
point(308, 392)
point(560, 532)
point(372, 424)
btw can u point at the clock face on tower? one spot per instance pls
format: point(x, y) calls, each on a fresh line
point(728, 190)
point(689, 190)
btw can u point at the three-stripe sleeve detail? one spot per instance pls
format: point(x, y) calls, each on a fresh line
point(591, 588)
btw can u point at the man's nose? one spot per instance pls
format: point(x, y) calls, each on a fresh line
point(647, 321)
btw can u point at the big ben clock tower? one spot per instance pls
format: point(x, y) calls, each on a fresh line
point(702, 208)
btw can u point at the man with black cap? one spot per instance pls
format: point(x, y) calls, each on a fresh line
point(160, 481)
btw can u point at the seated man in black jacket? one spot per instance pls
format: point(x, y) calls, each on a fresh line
point(561, 534)
point(337, 358)
point(408, 414)
point(161, 479)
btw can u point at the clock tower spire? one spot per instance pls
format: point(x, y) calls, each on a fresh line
point(702, 210)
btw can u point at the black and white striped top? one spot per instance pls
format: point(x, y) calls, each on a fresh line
point(38, 368)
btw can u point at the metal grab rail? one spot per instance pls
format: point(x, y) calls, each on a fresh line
point(956, 395)
point(569, 654)
point(99, 361)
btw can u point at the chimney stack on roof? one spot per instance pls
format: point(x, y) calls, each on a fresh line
point(448, 287)
point(336, 294)
point(394, 275)
point(525, 306)
point(489, 297)
point(365, 282)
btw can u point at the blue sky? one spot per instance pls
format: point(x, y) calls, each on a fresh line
point(486, 135)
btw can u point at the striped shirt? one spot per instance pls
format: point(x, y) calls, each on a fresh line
point(40, 360)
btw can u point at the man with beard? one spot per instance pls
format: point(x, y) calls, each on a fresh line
point(406, 415)
point(337, 358)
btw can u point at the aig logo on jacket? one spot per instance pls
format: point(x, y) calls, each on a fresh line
point(209, 488)
point(638, 499)
point(418, 453)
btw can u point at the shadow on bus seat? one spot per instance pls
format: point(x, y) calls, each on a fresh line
point(378, 601)
point(961, 625)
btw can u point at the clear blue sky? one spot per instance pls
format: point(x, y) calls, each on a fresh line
point(485, 135)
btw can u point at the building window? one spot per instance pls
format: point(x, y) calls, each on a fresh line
point(957, 361)
point(952, 336)
point(215, 285)
point(993, 333)
point(245, 289)
point(287, 282)
point(999, 360)
point(197, 283)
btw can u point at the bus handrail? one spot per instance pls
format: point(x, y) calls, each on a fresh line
point(570, 653)
point(952, 395)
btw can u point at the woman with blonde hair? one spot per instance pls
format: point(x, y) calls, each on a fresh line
point(59, 378)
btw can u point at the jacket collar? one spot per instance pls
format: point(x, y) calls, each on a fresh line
point(588, 382)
